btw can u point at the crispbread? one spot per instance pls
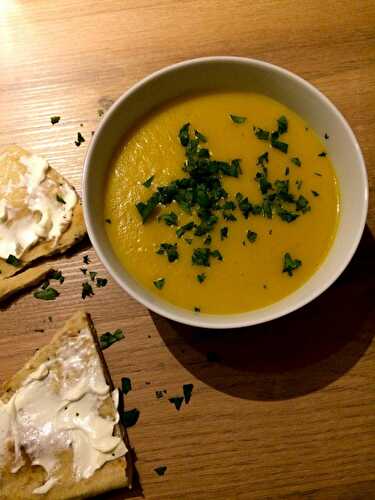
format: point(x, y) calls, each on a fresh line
point(75, 232)
point(111, 475)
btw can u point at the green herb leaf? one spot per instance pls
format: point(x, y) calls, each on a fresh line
point(146, 209)
point(160, 394)
point(87, 290)
point(160, 471)
point(86, 260)
point(287, 170)
point(126, 385)
point(80, 139)
point(315, 193)
point(223, 233)
point(129, 417)
point(13, 261)
point(56, 275)
point(322, 154)
point(201, 257)
point(199, 136)
point(188, 389)
point(101, 282)
point(201, 277)
point(183, 229)
point(251, 236)
point(60, 200)
point(282, 123)
point(286, 215)
point(189, 241)
point(148, 182)
point(208, 240)
point(244, 205)
point(261, 134)
point(298, 184)
point(263, 159)
point(184, 134)
point(46, 294)
point(229, 217)
point(170, 219)
point(55, 119)
point(83, 270)
point(216, 254)
point(281, 146)
point(290, 264)
point(159, 283)
point(238, 119)
point(302, 204)
point(108, 338)
point(296, 161)
point(177, 401)
point(168, 249)
point(318, 174)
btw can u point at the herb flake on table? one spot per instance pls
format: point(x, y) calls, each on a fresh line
point(290, 265)
point(87, 290)
point(160, 471)
point(238, 119)
point(80, 139)
point(48, 293)
point(176, 401)
point(86, 259)
point(223, 233)
point(92, 275)
point(56, 275)
point(130, 417)
point(187, 389)
point(108, 338)
point(55, 119)
point(13, 261)
point(101, 282)
point(126, 385)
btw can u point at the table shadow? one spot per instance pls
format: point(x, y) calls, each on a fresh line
point(291, 356)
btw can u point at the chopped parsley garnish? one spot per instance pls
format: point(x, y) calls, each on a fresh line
point(13, 261)
point(87, 290)
point(263, 159)
point(170, 218)
point(86, 259)
point(55, 119)
point(298, 184)
point(101, 282)
point(318, 174)
point(183, 229)
point(92, 275)
point(177, 401)
point(108, 338)
point(108, 221)
point(199, 136)
point(148, 182)
point(287, 170)
point(223, 233)
point(160, 394)
point(296, 161)
point(229, 217)
point(290, 264)
point(244, 205)
point(261, 134)
point(251, 236)
point(129, 417)
point(168, 249)
point(201, 257)
point(208, 240)
point(201, 277)
point(281, 146)
point(188, 389)
point(60, 200)
point(189, 241)
point(315, 193)
point(216, 254)
point(83, 270)
point(282, 123)
point(160, 471)
point(80, 139)
point(159, 283)
point(238, 119)
point(46, 294)
point(322, 154)
point(146, 209)
point(302, 204)
point(126, 385)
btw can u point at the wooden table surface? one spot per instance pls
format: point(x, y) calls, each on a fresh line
point(284, 410)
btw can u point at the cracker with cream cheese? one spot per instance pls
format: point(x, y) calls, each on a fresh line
point(59, 432)
point(40, 215)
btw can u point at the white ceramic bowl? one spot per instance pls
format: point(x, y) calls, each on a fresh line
point(241, 74)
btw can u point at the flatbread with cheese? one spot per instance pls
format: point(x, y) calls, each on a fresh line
point(60, 436)
point(40, 215)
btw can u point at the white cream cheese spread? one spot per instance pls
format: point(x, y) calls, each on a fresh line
point(58, 407)
point(33, 206)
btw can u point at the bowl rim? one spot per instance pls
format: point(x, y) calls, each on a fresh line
point(229, 321)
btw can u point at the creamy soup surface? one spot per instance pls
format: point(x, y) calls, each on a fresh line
point(259, 241)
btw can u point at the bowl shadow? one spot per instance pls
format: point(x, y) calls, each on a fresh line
point(291, 356)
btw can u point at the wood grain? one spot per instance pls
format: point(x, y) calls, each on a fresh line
point(287, 409)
